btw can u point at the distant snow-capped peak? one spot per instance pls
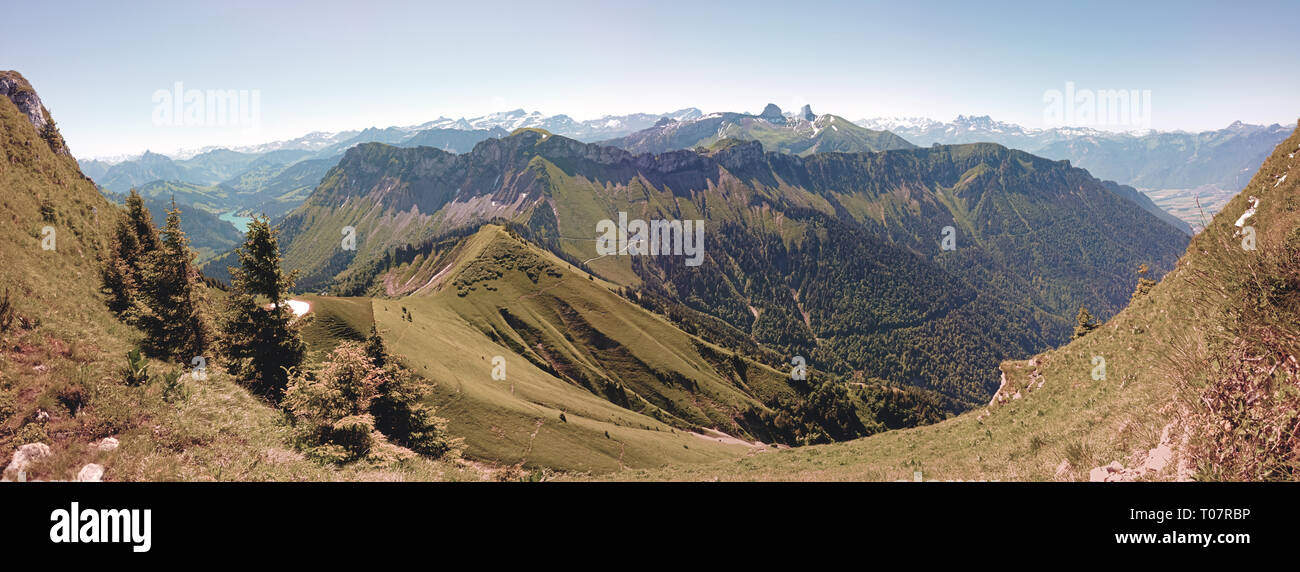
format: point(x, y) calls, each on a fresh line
point(895, 123)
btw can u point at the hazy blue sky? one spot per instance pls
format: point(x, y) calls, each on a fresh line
point(339, 65)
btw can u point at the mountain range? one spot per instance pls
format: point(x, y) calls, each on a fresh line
point(1174, 167)
point(1226, 157)
point(609, 126)
point(1033, 236)
point(803, 133)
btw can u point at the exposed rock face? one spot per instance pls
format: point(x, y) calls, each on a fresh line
point(737, 156)
point(772, 113)
point(807, 113)
point(16, 88)
point(1111, 473)
point(26, 454)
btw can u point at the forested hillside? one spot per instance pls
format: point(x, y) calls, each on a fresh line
point(835, 257)
point(1195, 379)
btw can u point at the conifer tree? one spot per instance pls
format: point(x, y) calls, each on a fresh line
point(261, 340)
point(1144, 284)
point(1084, 323)
point(375, 348)
point(176, 324)
point(259, 259)
point(334, 402)
point(134, 239)
point(400, 410)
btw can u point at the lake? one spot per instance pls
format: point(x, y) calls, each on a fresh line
point(239, 222)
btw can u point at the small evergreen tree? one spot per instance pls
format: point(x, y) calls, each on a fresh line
point(259, 258)
point(263, 344)
point(176, 324)
point(50, 133)
point(375, 348)
point(401, 412)
point(134, 240)
point(399, 409)
point(350, 402)
point(1084, 324)
point(1144, 284)
point(334, 403)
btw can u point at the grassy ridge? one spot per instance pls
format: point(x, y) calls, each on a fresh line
point(334, 321)
point(487, 305)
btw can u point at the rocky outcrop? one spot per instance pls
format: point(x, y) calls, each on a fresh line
point(772, 113)
point(16, 89)
point(807, 113)
point(25, 455)
point(737, 156)
point(1150, 465)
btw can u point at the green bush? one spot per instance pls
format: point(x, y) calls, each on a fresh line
point(7, 406)
point(334, 404)
point(346, 440)
point(349, 399)
point(72, 395)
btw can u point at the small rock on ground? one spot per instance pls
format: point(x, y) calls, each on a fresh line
point(107, 444)
point(26, 454)
point(91, 473)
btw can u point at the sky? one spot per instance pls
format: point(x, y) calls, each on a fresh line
point(328, 66)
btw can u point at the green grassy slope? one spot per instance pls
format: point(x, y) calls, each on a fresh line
point(334, 321)
point(213, 199)
point(62, 355)
point(630, 384)
point(488, 304)
point(451, 339)
point(1064, 422)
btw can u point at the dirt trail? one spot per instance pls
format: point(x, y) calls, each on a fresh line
point(531, 438)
